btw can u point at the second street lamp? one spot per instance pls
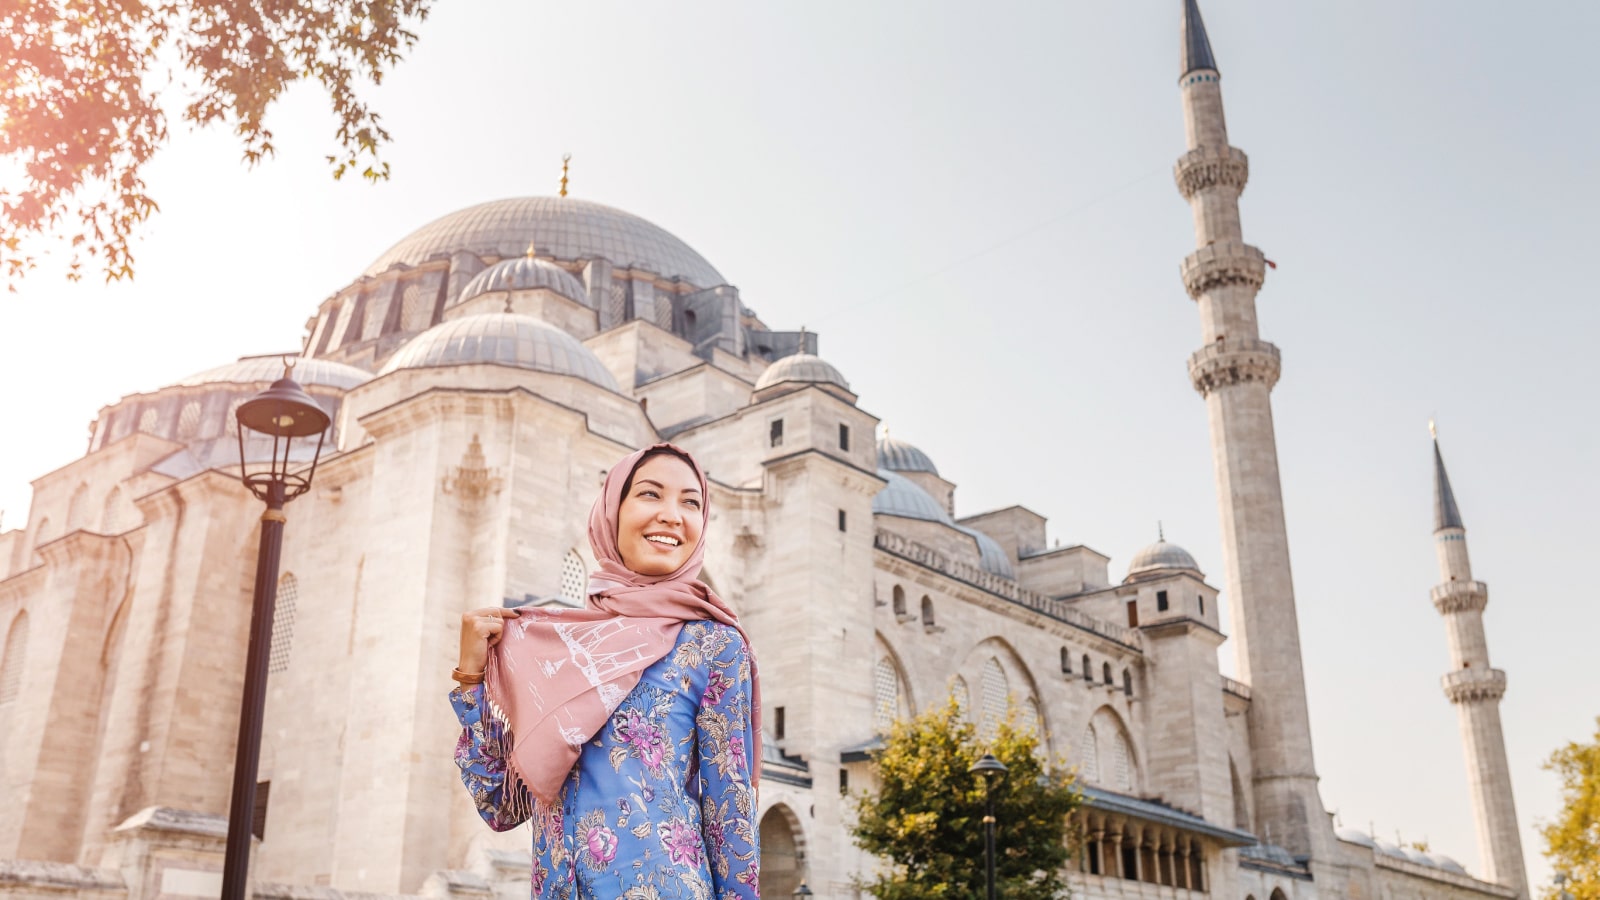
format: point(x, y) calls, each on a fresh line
point(282, 412)
point(991, 770)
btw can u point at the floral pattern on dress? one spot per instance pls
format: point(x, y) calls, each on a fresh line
point(659, 805)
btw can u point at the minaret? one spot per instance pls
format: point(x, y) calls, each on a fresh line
point(1475, 689)
point(1235, 371)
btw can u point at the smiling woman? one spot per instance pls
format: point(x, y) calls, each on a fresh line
point(610, 755)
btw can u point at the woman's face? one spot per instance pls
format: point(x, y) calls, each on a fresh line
point(661, 517)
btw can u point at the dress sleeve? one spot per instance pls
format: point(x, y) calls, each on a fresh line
point(728, 800)
point(481, 758)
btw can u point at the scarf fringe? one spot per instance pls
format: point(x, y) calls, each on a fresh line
point(515, 798)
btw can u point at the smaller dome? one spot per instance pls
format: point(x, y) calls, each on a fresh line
point(504, 339)
point(991, 556)
point(524, 273)
point(1356, 836)
point(898, 456)
point(1388, 849)
point(900, 497)
point(1446, 863)
point(802, 368)
point(1160, 557)
point(308, 371)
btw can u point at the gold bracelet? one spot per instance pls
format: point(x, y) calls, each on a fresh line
point(465, 678)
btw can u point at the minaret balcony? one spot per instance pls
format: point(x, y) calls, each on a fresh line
point(1460, 596)
point(1228, 362)
point(1221, 265)
point(1205, 167)
point(1471, 685)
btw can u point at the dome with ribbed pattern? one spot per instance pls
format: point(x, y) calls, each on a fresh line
point(898, 456)
point(505, 339)
point(525, 273)
point(563, 228)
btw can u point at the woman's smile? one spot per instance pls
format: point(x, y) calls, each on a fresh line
point(661, 516)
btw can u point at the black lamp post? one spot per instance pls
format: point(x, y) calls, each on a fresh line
point(284, 412)
point(991, 770)
point(802, 890)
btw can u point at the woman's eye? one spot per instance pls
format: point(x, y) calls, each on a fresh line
point(692, 504)
point(647, 493)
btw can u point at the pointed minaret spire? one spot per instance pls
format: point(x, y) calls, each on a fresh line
point(1474, 687)
point(1196, 45)
point(1445, 512)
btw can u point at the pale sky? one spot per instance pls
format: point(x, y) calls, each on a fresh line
point(973, 205)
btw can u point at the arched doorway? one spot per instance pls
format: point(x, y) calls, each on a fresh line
point(782, 852)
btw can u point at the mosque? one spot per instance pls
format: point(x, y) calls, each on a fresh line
point(483, 373)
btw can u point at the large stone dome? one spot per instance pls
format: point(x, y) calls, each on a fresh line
point(560, 227)
point(504, 339)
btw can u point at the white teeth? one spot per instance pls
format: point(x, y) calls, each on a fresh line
point(663, 539)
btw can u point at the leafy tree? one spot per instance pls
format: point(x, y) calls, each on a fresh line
point(85, 85)
point(926, 817)
point(1572, 841)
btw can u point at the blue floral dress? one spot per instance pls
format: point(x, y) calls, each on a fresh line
point(659, 805)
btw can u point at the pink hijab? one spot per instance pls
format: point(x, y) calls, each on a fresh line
point(557, 675)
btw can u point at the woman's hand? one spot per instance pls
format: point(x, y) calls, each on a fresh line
point(480, 630)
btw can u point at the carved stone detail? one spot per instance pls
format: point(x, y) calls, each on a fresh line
point(1203, 168)
point(1471, 685)
point(1460, 596)
point(1219, 265)
point(473, 479)
point(1232, 362)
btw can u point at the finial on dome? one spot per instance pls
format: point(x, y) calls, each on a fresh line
point(1161, 532)
point(565, 158)
point(530, 250)
point(1433, 429)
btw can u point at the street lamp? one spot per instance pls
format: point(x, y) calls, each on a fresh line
point(991, 770)
point(802, 890)
point(283, 412)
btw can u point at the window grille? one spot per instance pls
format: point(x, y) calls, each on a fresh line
point(283, 616)
point(886, 695)
point(1089, 756)
point(1122, 763)
point(189, 420)
point(148, 420)
point(232, 425)
point(995, 691)
point(963, 697)
point(574, 579)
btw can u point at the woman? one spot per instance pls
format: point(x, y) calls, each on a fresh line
point(627, 731)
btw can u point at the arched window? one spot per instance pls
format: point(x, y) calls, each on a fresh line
point(1089, 756)
point(232, 424)
point(1066, 661)
point(1277, 894)
point(42, 535)
point(574, 579)
point(189, 421)
point(78, 508)
point(995, 693)
point(1033, 721)
point(962, 696)
point(1105, 672)
point(1127, 682)
point(1088, 673)
point(283, 615)
point(899, 602)
point(111, 513)
point(927, 612)
point(885, 695)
